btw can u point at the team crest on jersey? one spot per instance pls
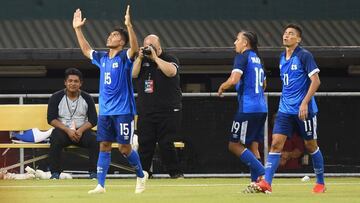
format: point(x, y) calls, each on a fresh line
point(293, 67)
point(115, 65)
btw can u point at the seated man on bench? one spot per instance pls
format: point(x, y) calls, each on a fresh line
point(72, 113)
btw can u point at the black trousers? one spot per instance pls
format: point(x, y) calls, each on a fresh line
point(161, 128)
point(59, 140)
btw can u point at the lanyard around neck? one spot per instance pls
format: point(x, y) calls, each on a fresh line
point(67, 104)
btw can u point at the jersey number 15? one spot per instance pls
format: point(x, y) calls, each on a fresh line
point(107, 78)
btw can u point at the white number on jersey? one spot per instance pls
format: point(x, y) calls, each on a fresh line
point(235, 127)
point(124, 129)
point(259, 79)
point(307, 125)
point(107, 79)
point(286, 79)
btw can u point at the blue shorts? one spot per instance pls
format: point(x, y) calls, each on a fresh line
point(248, 127)
point(286, 124)
point(118, 129)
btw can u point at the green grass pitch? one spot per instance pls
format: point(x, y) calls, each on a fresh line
point(220, 190)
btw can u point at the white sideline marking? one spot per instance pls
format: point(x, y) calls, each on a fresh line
point(167, 185)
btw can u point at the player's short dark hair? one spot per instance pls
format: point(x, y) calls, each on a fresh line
point(73, 71)
point(124, 33)
point(294, 26)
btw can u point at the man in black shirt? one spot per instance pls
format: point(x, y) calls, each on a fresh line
point(72, 113)
point(157, 79)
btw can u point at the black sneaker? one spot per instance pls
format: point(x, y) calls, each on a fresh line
point(150, 174)
point(177, 176)
point(55, 175)
point(93, 175)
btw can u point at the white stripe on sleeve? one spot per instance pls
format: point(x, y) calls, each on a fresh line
point(238, 71)
point(127, 54)
point(313, 72)
point(91, 54)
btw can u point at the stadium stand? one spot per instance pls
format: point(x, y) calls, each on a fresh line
point(197, 33)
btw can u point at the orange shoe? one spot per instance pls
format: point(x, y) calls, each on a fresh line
point(319, 188)
point(264, 187)
point(260, 178)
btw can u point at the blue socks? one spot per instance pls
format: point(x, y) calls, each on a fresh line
point(271, 165)
point(274, 159)
point(104, 163)
point(318, 164)
point(103, 166)
point(253, 175)
point(256, 168)
point(134, 161)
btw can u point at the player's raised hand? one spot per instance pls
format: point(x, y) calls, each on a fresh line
point(77, 20)
point(127, 17)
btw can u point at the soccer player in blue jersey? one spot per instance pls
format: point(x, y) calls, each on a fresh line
point(116, 99)
point(297, 108)
point(248, 77)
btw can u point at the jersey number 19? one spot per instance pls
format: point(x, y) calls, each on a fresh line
point(259, 79)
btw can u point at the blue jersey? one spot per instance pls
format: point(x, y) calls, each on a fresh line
point(250, 87)
point(116, 95)
point(295, 74)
